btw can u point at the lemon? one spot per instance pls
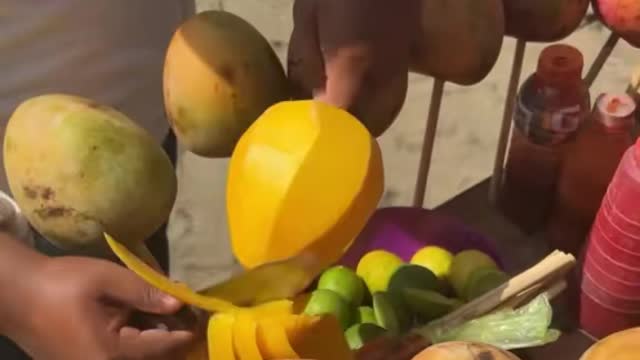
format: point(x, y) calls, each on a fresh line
point(344, 282)
point(464, 264)
point(434, 258)
point(376, 268)
point(327, 302)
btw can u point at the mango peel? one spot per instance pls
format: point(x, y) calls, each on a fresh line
point(273, 330)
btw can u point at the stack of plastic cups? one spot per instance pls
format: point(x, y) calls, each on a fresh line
point(610, 288)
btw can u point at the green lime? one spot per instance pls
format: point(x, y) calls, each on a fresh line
point(434, 258)
point(360, 334)
point(376, 268)
point(391, 312)
point(412, 276)
point(429, 305)
point(466, 263)
point(366, 315)
point(327, 302)
point(484, 280)
point(345, 282)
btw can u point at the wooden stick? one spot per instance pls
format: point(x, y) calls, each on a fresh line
point(601, 59)
point(428, 142)
point(551, 290)
point(505, 129)
point(553, 266)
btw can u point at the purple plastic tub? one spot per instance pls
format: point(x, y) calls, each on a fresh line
point(405, 230)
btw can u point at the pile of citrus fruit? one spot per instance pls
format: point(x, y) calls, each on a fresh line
point(385, 295)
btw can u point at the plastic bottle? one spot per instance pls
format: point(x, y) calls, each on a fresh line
point(551, 106)
point(587, 170)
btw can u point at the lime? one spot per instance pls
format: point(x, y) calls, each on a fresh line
point(345, 282)
point(327, 302)
point(360, 334)
point(412, 276)
point(466, 263)
point(376, 268)
point(484, 280)
point(434, 258)
point(429, 305)
point(366, 315)
point(391, 312)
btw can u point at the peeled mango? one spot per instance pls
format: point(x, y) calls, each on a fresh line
point(458, 41)
point(303, 179)
point(220, 74)
point(462, 350)
point(623, 345)
point(274, 330)
point(355, 52)
point(543, 20)
point(78, 168)
point(622, 17)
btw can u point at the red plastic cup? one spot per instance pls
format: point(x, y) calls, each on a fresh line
point(614, 268)
point(600, 321)
point(613, 248)
point(598, 288)
point(619, 229)
point(610, 283)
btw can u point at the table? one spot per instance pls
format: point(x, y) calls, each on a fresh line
point(473, 207)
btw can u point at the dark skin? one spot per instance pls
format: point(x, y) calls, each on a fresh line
point(95, 302)
point(90, 301)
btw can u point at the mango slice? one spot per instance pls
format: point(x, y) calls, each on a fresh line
point(304, 331)
point(220, 337)
point(161, 282)
point(245, 342)
point(273, 342)
point(303, 180)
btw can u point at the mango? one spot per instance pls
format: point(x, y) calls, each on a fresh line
point(303, 180)
point(462, 350)
point(354, 55)
point(220, 337)
point(220, 74)
point(543, 20)
point(458, 41)
point(622, 345)
point(622, 17)
point(78, 168)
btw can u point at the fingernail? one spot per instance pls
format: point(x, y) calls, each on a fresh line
point(170, 300)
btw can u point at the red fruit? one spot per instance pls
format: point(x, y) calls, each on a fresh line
point(622, 17)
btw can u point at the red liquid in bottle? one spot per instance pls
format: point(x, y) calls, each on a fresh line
point(587, 170)
point(610, 289)
point(551, 106)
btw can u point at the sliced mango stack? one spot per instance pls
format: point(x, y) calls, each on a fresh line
point(273, 330)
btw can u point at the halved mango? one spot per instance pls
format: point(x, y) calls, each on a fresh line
point(161, 282)
point(245, 342)
point(303, 179)
point(273, 341)
point(220, 337)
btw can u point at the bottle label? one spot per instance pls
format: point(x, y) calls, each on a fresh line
point(548, 127)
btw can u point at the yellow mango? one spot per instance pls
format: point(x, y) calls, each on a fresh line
point(245, 342)
point(303, 179)
point(273, 342)
point(220, 337)
point(220, 74)
point(78, 169)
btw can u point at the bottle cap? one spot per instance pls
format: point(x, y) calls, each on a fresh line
point(615, 111)
point(560, 63)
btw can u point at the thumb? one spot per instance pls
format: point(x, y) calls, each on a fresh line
point(124, 286)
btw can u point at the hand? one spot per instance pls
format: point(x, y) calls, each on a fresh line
point(354, 54)
point(83, 308)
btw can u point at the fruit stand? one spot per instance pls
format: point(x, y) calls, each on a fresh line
point(305, 180)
